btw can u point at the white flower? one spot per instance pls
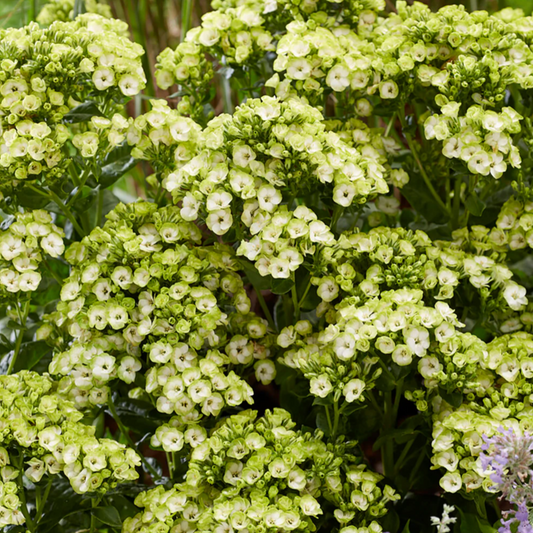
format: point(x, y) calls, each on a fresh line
point(321, 386)
point(417, 339)
point(353, 389)
point(515, 295)
point(428, 367)
point(451, 482)
point(129, 85)
point(338, 78)
point(220, 221)
point(103, 78)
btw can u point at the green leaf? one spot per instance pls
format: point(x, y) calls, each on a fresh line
point(406, 527)
point(281, 286)
point(399, 435)
point(30, 354)
point(108, 515)
point(82, 113)
point(260, 283)
point(116, 164)
point(470, 523)
point(475, 205)
point(455, 399)
point(421, 199)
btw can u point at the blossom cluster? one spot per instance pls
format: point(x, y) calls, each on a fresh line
point(63, 10)
point(364, 264)
point(253, 164)
point(498, 399)
point(163, 137)
point(142, 295)
point(42, 435)
point(44, 73)
point(256, 474)
point(24, 245)
point(345, 359)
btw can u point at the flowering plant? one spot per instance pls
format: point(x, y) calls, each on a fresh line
point(289, 289)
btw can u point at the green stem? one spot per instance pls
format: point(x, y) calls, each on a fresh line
point(456, 202)
point(390, 124)
point(32, 11)
point(266, 310)
point(226, 95)
point(124, 430)
point(42, 501)
point(170, 463)
point(295, 302)
point(335, 217)
point(403, 455)
point(305, 293)
point(186, 11)
point(375, 404)
point(56, 276)
point(99, 208)
point(336, 418)
point(22, 496)
point(55, 198)
point(328, 417)
point(387, 449)
point(18, 344)
point(423, 172)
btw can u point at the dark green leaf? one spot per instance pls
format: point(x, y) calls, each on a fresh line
point(260, 283)
point(391, 522)
point(470, 523)
point(475, 205)
point(108, 515)
point(82, 113)
point(399, 435)
point(421, 199)
point(406, 527)
point(30, 354)
point(282, 286)
point(455, 399)
point(116, 164)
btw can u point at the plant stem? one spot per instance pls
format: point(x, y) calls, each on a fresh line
point(305, 293)
point(18, 344)
point(42, 501)
point(22, 496)
point(328, 417)
point(387, 449)
point(266, 310)
point(423, 172)
point(336, 417)
point(99, 208)
point(186, 11)
point(295, 302)
point(226, 95)
point(390, 124)
point(124, 430)
point(32, 12)
point(55, 198)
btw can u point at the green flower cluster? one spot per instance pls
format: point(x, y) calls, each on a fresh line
point(42, 435)
point(259, 474)
point(515, 223)
point(499, 396)
point(363, 264)
point(63, 10)
point(252, 165)
point(141, 290)
point(312, 59)
point(25, 240)
point(44, 73)
point(163, 137)
point(395, 329)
